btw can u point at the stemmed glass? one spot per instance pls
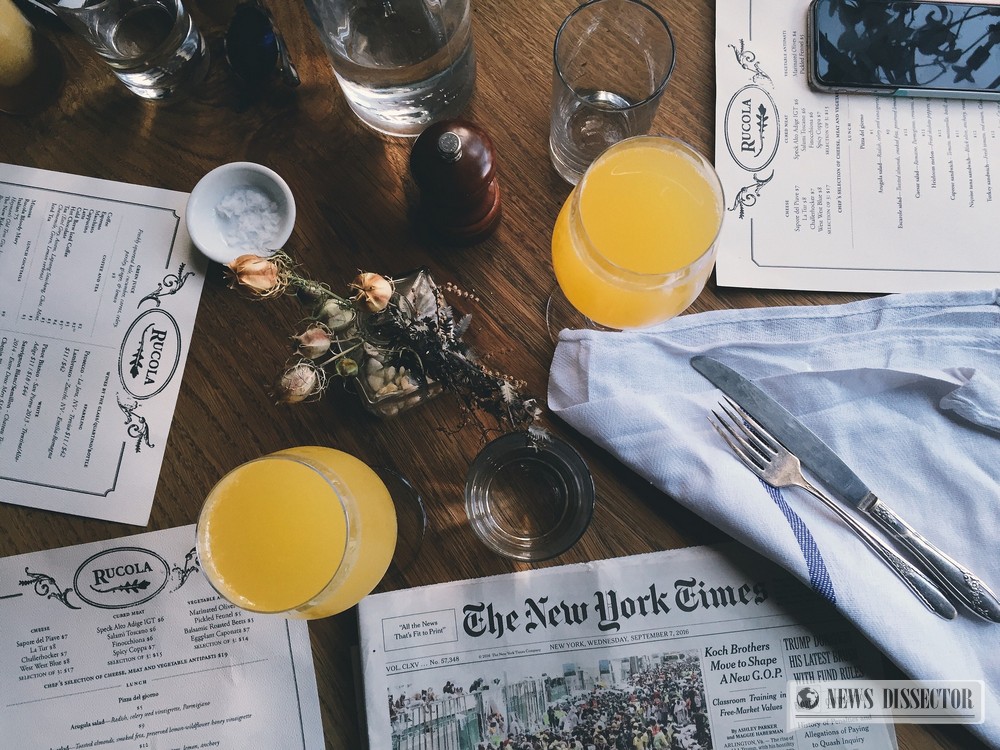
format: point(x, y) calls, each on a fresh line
point(635, 241)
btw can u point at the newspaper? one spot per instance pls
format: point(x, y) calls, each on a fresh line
point(692, 648)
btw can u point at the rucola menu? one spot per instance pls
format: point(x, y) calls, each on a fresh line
point(99, 288)
point(844, 192)
point(123, 644)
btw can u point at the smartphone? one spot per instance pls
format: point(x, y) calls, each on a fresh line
point(904, 48)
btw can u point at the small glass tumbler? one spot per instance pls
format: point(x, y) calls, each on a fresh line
point(152, 46)
point(31, 68)
point(529, 497)
point(613, 59)
point(402, 64)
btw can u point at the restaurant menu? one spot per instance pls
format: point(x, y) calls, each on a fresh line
point(704, 641)
point(99, 288)
point(852, 192)
point(124, 644)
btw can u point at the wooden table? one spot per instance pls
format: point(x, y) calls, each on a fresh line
point(354, 203)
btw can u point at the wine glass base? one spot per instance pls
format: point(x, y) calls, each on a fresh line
point(411, 518)
point(560, 314)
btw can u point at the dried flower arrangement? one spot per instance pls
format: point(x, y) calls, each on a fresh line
point(394, 337)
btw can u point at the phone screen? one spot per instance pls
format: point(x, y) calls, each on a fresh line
point(859, 43)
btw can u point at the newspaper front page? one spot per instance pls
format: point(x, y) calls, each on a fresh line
point(682, 650)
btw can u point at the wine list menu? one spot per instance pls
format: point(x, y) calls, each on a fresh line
point(853, 193)
point(99, 289)
point(124, 644)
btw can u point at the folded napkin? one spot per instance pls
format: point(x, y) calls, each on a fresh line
point(905, 388)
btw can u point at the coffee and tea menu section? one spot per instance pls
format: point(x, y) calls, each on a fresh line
point(124, 644)
point(99, 288)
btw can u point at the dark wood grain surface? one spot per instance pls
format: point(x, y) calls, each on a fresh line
point(355, 204)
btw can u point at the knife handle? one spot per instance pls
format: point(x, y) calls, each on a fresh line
point(921, 586)
point(958, 580)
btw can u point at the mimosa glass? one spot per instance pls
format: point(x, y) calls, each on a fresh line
point(635, 241)
point(305, 532)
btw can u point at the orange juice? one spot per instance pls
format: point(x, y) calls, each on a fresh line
point(635, 241)
point(306, 532)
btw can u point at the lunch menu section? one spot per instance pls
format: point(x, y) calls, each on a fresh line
point(117, 643)
point(99, 288)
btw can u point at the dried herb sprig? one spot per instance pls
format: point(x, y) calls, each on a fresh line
point(418, 336)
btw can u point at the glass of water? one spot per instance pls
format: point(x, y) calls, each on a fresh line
point(401, 64)
point(613, 59)
point(152, 46)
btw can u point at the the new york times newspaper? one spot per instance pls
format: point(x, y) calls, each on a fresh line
point(683, 650)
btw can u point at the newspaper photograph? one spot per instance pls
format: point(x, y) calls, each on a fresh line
point(687, 649)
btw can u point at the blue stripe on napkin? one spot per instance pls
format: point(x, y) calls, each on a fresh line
point(819, 576)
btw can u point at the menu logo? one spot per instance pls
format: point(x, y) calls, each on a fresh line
point(121, 577)
point(752, 128)
point(150, 354)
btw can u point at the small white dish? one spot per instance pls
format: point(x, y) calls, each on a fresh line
point(208, 227)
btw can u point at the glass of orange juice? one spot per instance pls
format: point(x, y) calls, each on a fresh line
point(635, 241)
point(305, 532)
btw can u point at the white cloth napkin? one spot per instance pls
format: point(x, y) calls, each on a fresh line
point(905, 388)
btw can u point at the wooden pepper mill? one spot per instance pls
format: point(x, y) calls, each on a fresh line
point(453, 163)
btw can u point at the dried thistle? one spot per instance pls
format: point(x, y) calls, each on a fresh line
point(303, 381)
point(262, 277)
point(418, 341)
point(373, 291)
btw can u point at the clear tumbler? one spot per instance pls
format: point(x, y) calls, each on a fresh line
point(402, 64)
point(152, 46)
point(613, 59)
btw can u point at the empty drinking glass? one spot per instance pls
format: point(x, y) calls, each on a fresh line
point(613, 59)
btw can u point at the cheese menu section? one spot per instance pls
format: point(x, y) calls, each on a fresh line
point(99, 288)
point(124, 644)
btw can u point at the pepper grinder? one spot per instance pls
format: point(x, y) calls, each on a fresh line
point(453, 164)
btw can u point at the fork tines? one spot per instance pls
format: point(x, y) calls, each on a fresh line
point(752, 443)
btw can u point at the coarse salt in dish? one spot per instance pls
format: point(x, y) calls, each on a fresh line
point(240, 208)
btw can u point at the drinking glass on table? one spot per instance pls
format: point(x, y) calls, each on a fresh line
point(31, 68)
point(401, 64)
point(635, 241)
point(305, 532)
point(152, 46)
point(613, 59)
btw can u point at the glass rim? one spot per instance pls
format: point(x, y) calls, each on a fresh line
point(559, 456)
point(663, 276)
point(661, 86)
point(57, 8)
point(276, 456)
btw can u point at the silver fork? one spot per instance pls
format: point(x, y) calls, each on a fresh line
point(776, 465)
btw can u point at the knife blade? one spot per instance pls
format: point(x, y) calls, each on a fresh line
point(820, 459)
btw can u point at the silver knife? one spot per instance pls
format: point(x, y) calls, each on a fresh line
point(954, 577)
